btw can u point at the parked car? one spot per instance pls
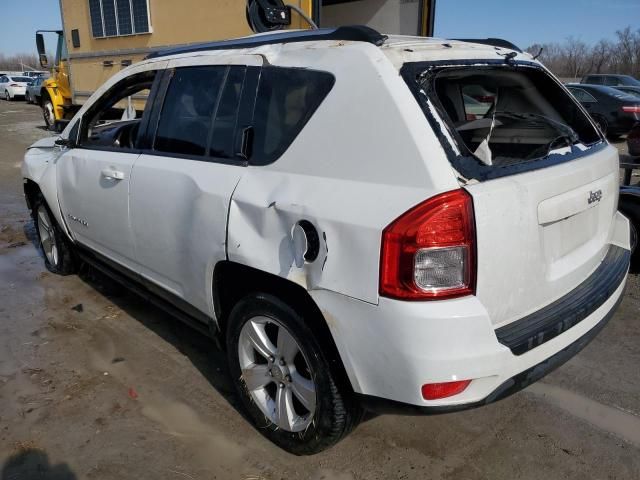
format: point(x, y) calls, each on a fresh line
point(32, 94)
point(319, 201)
point(35, 73)
point(611, 80)
point(635, 91)
point(614, 111)
point(13, 86)
point(633, 141)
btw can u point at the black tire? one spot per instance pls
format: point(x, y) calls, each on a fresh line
point(336, 412)
point(7, 96)
point(64, 262)
point(47, 113)
point(631, 210)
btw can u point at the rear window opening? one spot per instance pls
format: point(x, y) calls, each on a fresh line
point(506, 115)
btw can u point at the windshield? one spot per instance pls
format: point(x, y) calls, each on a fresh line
point(505, 115)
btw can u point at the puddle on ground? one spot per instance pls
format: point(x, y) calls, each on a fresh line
point(623, 424)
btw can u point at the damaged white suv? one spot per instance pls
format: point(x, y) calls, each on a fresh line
point(366, 222)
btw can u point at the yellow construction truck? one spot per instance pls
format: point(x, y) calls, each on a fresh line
point(100, 37)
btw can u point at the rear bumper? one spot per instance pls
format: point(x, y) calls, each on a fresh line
point(391, 349)
point(507, 388)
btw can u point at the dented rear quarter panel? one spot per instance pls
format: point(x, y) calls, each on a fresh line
point(366, 156)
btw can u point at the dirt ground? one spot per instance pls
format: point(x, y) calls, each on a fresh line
point(93, 386)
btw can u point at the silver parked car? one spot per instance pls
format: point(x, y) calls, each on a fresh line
point(32, 94)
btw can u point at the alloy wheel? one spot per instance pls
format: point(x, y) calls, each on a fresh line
point(276, 374)
point(47, 236)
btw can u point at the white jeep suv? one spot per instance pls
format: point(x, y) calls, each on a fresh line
point(366, 222)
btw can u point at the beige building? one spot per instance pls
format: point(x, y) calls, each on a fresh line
point(104, 36)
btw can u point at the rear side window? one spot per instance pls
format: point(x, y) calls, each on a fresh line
point(286, 100)
point(187, 112)
point(504, 118)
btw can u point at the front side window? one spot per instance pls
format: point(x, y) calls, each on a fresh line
point(187, 113)
point(582, 96)
point(110, 18)
point(286, 100)
point(114, 120)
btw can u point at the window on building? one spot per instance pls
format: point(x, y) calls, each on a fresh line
point(112, 18)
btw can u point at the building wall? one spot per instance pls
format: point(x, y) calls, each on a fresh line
point(173, 22)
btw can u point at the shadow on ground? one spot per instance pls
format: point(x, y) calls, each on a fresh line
point(32, 464)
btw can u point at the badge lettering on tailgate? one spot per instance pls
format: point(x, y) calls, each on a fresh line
point(594, 196)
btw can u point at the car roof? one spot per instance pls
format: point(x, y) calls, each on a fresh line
point(599, 88)
point(396, 47)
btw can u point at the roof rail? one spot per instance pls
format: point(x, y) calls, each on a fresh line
point(357, 33)
point(494, 42)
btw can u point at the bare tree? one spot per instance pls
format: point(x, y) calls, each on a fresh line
point(574, 58)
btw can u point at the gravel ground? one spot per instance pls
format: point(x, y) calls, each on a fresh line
point(97, 386)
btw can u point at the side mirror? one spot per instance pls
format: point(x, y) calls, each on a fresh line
point(42, 55)
point(65, 142)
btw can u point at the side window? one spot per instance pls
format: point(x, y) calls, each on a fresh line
point(114, 120)
point(187, 113)
point(286, 100)
point(3, 79)
point(224, 125)
point(582, 96)
point(610, 81)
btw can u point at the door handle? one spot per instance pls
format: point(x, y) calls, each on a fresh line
point(112, 174)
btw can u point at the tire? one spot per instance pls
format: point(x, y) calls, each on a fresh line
point(48, 113)
point(631, 210)
point(27, 97)
point(314, 424)
point(55, 246)
point(7, 96)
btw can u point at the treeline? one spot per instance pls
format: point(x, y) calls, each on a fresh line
point(19, 62)
point(574, 58)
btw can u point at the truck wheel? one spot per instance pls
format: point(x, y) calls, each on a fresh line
point(56, 248)
point(48, 113)
point(283, 379)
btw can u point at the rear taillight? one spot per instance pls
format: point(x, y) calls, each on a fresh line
point(429, 252)
point(14, 85)
point(631, 108)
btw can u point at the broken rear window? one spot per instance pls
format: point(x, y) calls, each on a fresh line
point(503, 118)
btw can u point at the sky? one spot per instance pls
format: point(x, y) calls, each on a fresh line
point(523, 22)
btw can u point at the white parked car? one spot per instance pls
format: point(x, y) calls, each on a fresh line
point(12, 86)
point(322, 203)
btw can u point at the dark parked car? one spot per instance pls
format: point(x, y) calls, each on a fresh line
point(611, 80)
point(614, 111)
point(635, 91)
point(633, 141)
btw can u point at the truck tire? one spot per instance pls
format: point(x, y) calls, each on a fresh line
point(283, 379)
point(48, 113)
point(55, 246)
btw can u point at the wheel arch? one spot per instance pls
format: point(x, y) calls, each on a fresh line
point(233, 281)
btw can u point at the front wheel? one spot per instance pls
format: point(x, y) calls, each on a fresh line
point(284, 380)
point(56, 248)
point(48, 113)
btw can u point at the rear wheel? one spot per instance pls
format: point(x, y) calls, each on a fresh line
point(48, 113)
point(283, 378)
point(7, 97)
point(56, 248)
